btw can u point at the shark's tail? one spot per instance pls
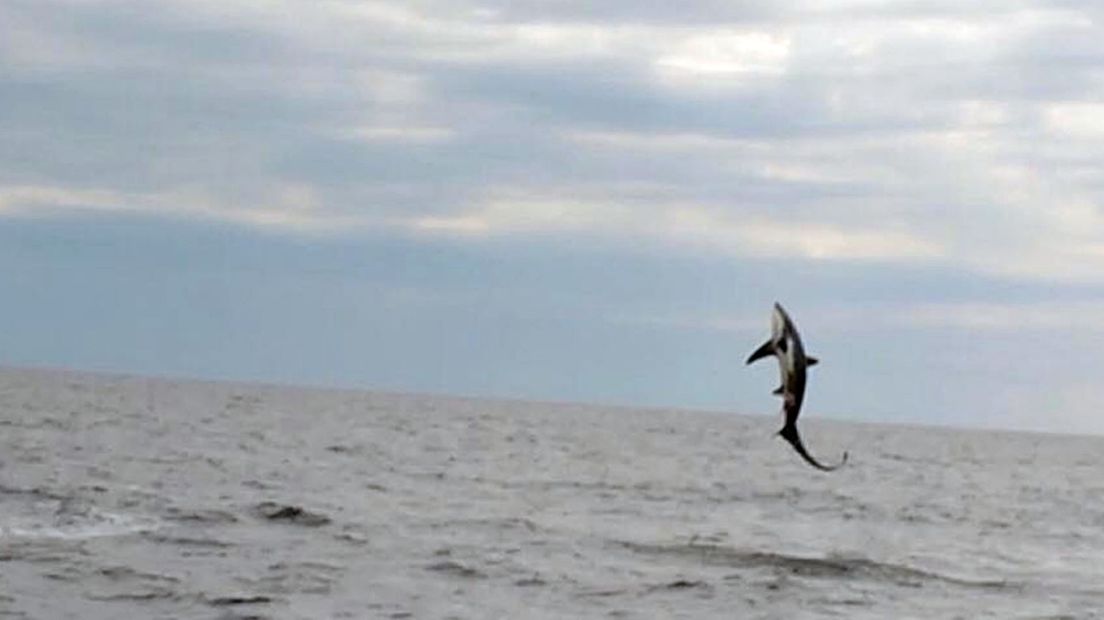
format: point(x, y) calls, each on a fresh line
point(789, 433)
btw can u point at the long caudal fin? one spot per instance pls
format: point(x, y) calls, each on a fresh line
point(789, 433)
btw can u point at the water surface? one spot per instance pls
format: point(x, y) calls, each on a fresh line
point(147, 498)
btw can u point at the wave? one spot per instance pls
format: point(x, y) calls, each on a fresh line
point(828, 567)
point(95, 524)
point(39, 513)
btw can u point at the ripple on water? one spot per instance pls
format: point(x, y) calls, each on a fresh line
point(30, 515)
point(830, 567)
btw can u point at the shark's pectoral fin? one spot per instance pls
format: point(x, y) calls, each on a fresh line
point(811, 361)
point(766, 350)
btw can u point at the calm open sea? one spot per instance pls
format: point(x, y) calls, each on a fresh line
point(146, 498)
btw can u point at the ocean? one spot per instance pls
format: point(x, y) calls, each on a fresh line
point(127, 497)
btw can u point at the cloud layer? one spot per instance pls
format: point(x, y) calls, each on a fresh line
point(833, 130)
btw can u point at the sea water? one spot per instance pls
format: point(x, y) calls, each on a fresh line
point(124, 497)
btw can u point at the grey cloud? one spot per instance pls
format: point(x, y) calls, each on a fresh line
point(237, 107)
point(125, 34)
point(132, 129)
point(712, 12)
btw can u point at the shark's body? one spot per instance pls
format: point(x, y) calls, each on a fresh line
point(793, 364)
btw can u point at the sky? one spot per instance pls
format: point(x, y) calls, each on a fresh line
point(575, 201)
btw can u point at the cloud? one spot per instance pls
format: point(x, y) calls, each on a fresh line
point(1064, 316)
point(964, 135)
point(724, 54)
point(628, 216)
point(288, 207)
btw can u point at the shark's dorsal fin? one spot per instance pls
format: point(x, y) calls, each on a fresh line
point(811, 361)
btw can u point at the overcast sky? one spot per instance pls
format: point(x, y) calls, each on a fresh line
point(585, 201)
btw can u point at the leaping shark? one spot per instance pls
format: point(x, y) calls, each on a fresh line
point(793, 364)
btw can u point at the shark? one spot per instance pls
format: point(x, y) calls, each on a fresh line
point(793, 364)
